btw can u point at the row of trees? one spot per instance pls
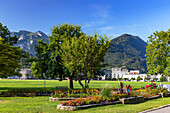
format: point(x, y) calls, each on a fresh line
point(70, 53)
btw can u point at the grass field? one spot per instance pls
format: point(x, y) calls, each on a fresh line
point(42, 105)
point(10, 84)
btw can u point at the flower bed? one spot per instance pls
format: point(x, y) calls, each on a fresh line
point(88, 100)
point(73, 108)
point(75, 93)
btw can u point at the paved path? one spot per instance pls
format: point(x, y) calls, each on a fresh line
point(163, 110)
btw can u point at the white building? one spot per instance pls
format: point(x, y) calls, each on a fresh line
point(119, 72)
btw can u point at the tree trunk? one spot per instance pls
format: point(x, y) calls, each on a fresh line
point(81, 83)
point(71, 82)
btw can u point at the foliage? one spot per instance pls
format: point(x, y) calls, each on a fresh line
point(139, 78)
point(157, 52)
point(163, 78)
point(106, 91)
point(132, 78)
point(35, 70)
point(41, 66)
point(84, 55)
point(6, 36)
point(87, 101)
point(167, 69)
point(9, 55)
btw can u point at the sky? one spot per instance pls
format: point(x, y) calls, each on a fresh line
point(110, 17)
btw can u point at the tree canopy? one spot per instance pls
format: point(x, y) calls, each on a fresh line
point(6, 35)
point(70, 53)
point(158, 53)
point(9, 59)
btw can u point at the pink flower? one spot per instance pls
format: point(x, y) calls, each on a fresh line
point(139, 88)
point(147, 86)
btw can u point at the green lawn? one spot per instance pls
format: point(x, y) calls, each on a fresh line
point(8, 84)
point(42, 105)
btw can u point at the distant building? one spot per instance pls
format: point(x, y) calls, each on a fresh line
point(119, 72)
point(134, 72)
point(24, 72)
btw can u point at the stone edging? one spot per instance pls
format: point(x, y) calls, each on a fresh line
point(153, 109)
point(132, 100)
point(154, 97)
point(73, 108)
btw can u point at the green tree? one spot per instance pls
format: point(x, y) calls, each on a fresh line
point(40, 68)
point(9, 59)
point(157, 52)
point(83, 56)
point(36, 70)
point(167, 70)
point(59, 34)
point(5, 34)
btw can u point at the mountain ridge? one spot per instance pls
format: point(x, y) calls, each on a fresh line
point(27, 40)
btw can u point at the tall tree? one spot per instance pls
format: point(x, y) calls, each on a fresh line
point(6, 35)
point(84, 56)
point(59, 34)
point(40, 68)
point(157, 52)
point(9, 59)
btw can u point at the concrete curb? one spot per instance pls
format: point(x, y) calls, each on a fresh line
point(153, 109)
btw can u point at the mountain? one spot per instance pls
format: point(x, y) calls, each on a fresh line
point(127, 51)
point(27, 40)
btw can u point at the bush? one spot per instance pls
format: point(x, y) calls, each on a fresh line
point(163, 78)
point(108, 78)
point(132, 78)
point(139, 78)
point(126, 78)
point(119, 79)
point(114, 79)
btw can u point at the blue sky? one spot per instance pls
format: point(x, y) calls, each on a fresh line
point(110, 17)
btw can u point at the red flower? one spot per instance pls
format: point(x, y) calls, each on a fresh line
point(152, 82)
point(147, 86)
point(113, 88)
point(150, 89)
point(58, 91)
point(139, 88)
